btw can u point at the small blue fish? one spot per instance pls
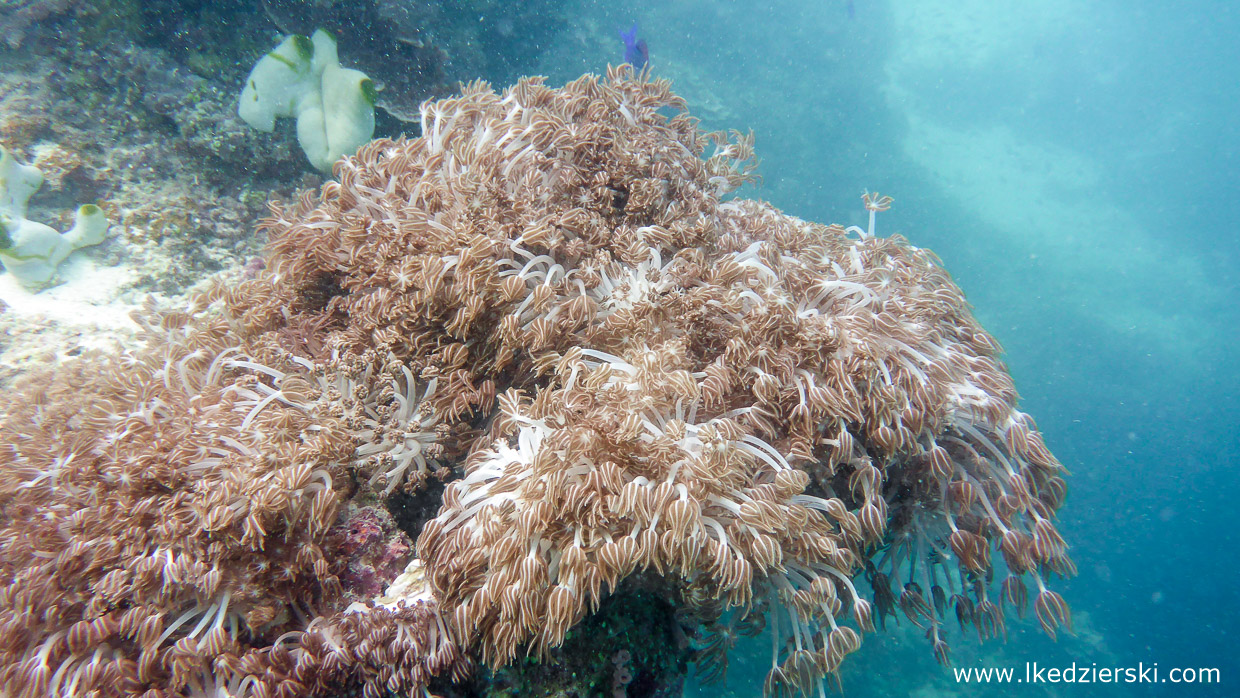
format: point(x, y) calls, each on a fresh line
point(635, 52)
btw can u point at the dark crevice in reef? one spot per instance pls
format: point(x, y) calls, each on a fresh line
point(632, 636)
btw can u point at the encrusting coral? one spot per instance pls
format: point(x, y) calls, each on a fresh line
point(548, 297)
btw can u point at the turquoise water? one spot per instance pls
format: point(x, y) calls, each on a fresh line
point(1075, 166)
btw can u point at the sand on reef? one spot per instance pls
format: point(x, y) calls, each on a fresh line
point(89, 310)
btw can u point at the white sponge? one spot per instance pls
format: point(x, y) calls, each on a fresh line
point(302, 78)
point(31, 251)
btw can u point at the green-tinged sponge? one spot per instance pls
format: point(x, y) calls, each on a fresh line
point(302, 78)
point(31, 251)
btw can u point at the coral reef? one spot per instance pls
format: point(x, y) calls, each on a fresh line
point(376, 549)
point(635, 384)
point(144, 95)
point(158, 532)
point(17, 16)
point(155, 146)
point(640, 628)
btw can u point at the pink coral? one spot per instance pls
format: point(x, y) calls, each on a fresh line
point(377, 552)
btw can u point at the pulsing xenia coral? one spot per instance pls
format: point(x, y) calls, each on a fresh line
point(168, 514)
point(632, 379)
point(651, 380)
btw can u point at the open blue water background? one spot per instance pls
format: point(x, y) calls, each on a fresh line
point(1075, 166)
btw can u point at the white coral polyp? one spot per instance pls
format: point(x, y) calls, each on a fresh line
point(622, 287)
point(401, 451)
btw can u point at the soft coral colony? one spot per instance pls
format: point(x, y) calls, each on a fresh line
point(546, 298)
